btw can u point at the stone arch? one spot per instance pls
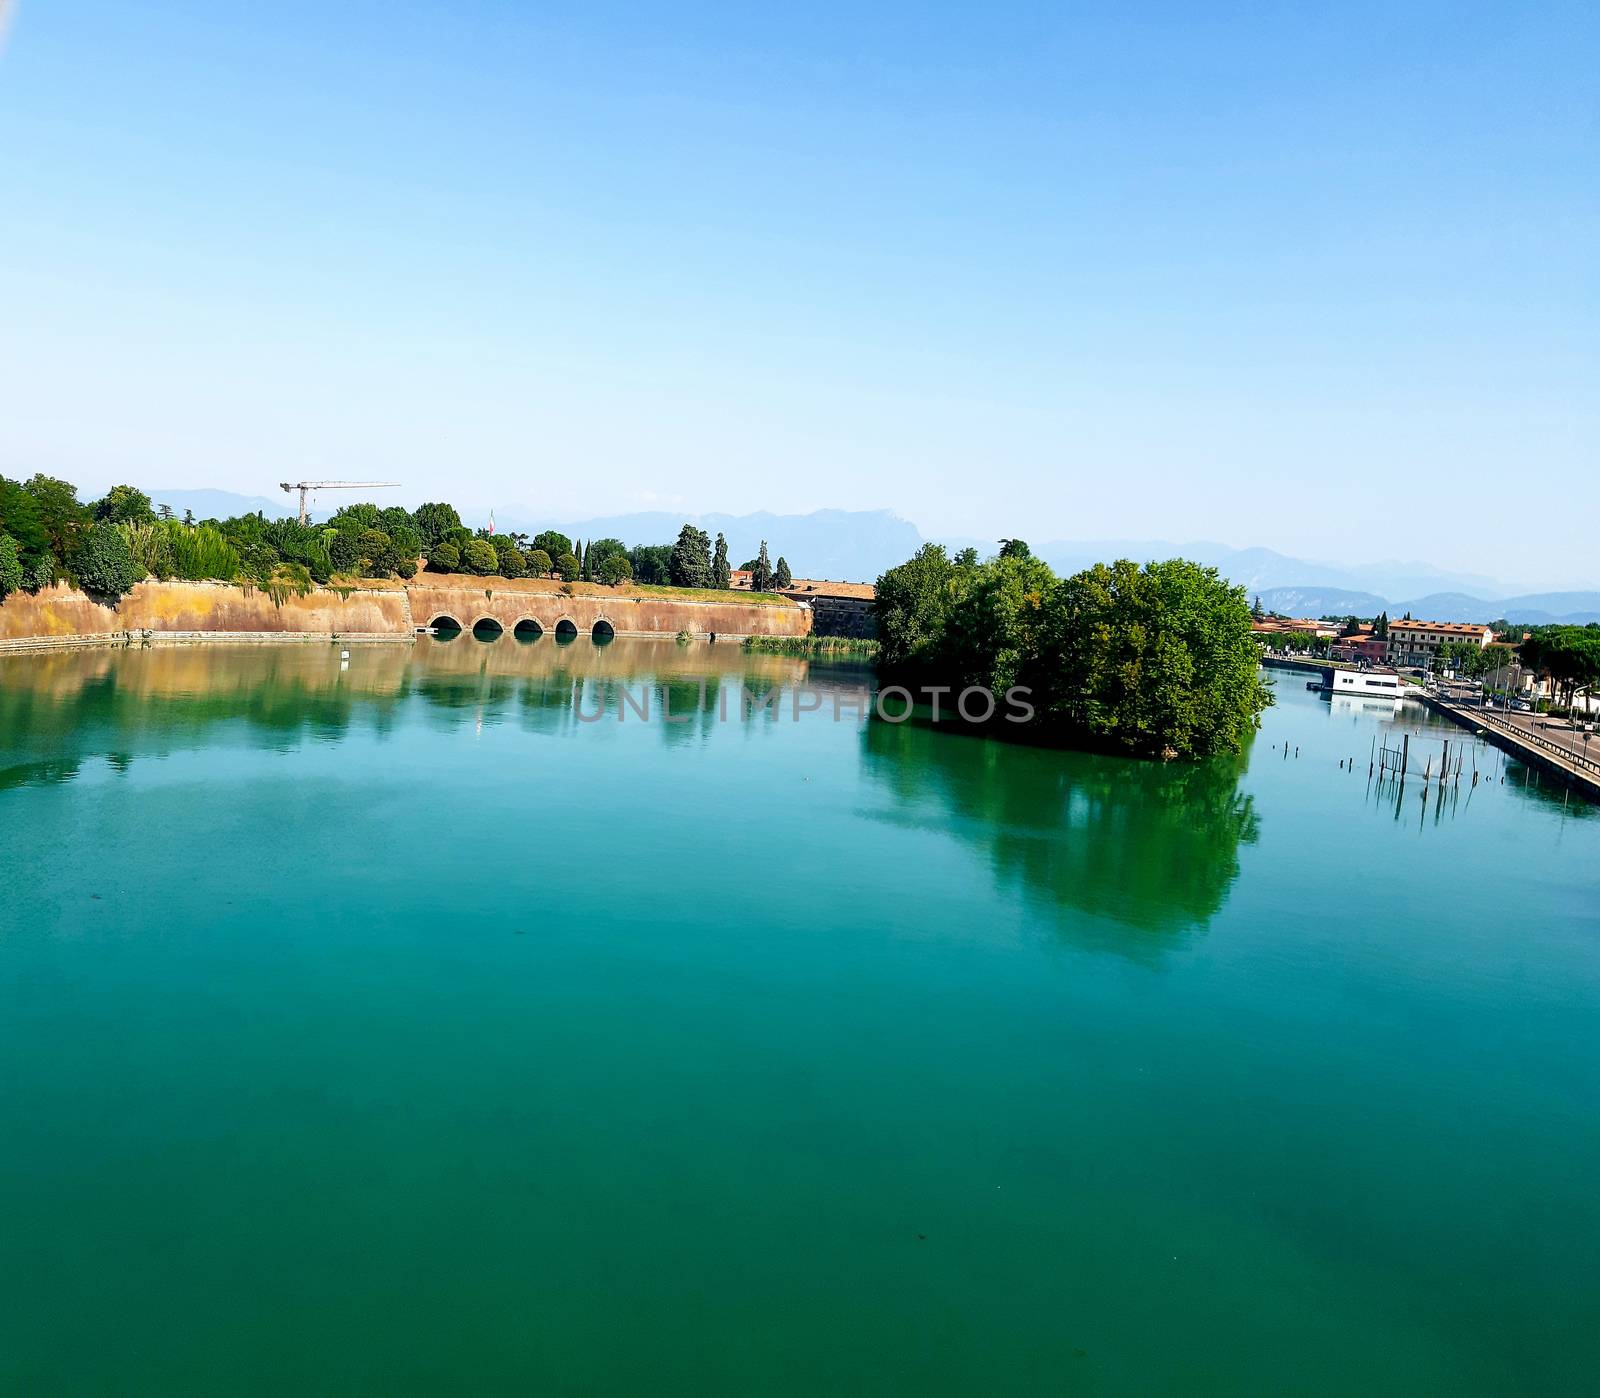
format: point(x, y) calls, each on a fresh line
point(527, 629)
point(602, 631)
point(446, 627)
point(566, 630)
point(488, 628)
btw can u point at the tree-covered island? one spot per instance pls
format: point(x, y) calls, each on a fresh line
point(1152, 659)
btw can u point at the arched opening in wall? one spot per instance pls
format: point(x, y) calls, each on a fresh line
point(487, 629)
point(527, 630)
point(566, 632)
point(603, 632)
point(446, 628)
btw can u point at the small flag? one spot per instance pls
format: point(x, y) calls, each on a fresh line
point(491, 522)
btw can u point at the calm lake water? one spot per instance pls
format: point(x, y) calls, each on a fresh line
point(389, 1030)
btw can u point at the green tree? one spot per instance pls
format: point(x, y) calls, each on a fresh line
point(912, 601)
point(721, 573)
point(567, 566)
point(761, 574)
point(1014, 548)
point(1156, 660)
point(539, 564)
point(691, 558)
point(21, 519)
point(553, 543)
point(652, 563)
point(967, 558)
point(124, 503)
point(512, 563)
point(10, 566)
point(478, 556)
point(433, 522)
point(444, 557)
point(59, 513)
point(782, 577)
point(102, 566)
point(602, 549)
point(614, 569)
point(361, 515)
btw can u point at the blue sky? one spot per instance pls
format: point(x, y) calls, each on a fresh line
point(1322, 278)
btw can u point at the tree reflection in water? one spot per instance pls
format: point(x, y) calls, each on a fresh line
point(1108, 843)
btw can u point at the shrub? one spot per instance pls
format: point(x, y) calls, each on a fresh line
point(150, 545)
point(199, 552)
point(103, 566)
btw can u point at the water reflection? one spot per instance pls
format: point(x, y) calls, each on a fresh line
point(59, 708)
point(1104, 842)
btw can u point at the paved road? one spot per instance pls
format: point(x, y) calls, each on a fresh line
point(1556, 731)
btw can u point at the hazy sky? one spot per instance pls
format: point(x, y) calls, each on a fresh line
point(1318, 277)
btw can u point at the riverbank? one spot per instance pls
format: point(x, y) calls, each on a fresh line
point(1582, 775)
point(383, 610)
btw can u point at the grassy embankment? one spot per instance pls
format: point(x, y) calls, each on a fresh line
point(857, 646)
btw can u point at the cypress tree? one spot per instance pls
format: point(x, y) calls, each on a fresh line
point(721, 574)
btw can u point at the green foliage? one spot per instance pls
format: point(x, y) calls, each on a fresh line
point(652, 563)
point(614, 569)
point(720, 572)
point(150, 545)
point(124, 504)
point(1156, 659)
point(761, 574)
point(286, 580)
point(600, 550)
point(1568, 656)
point(10, 566)
point(539, 564)
point(478, 556)
point(781, 576)
point(552, 543)
point(511, 562)
point(200, 552)
point(362, 515)
point(60, 515)
point(567, 566)
point(21, 519)
point(811, 645)
point(433, 523)
point(444, 557)
point(1014, 548)
point(690, 565)
point(913, 600)
point(102, 566)
point(1152, 660)
point(372, 552)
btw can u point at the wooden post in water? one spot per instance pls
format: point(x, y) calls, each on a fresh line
point(1405, 752)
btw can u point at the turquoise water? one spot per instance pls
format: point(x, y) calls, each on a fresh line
point(387, 1030)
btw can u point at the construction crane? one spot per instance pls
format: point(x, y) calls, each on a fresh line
point(304, 486)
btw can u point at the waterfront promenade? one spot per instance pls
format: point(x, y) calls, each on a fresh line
point(1549, 745)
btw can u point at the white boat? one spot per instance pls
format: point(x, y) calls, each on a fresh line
point(1365, 684)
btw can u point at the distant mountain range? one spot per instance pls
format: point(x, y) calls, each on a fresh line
point(1530, 609)
point(858, 545)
